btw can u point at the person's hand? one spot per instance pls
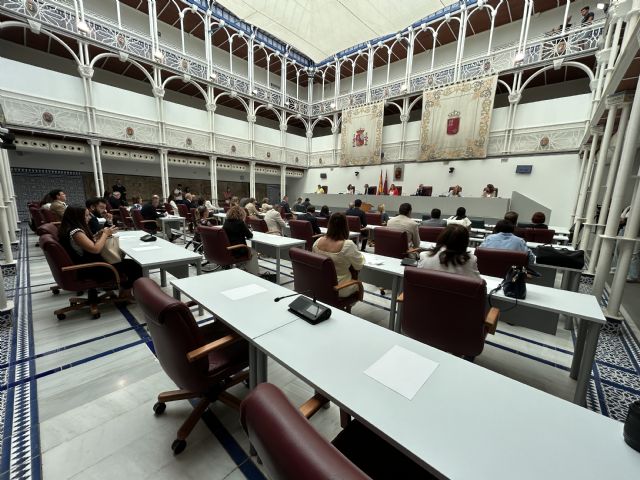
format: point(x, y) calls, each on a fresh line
point(108, 216)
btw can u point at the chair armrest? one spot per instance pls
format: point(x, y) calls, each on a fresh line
point(317, 235)
point(203, 351)
point(147, 221)
point(346, 283)
point(415, 250)
point(92, 265)
point(274, 233)
point(235, 247)
point(56, 223)
point(491, 320)
point(400, 298)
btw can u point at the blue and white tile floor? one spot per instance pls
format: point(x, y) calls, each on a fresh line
point(76, 395)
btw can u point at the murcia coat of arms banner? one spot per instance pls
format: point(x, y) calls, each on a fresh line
point(456, 120)
point(362, 135)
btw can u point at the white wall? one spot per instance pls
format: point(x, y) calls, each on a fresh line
point(553, 181)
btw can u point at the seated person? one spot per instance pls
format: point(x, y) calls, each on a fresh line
point(58, 203)
point(298, 206)
point(320, 190)
point(455, 191)
point(234, 201)
point(189, 201)
point(420, 190)
point(208, 203)
point(504, 239)
point(114, 200)
point(393, 190)
point(265, 205)
point(251, 207)
point(489, 191)
point(384, 216)
point(435, 220)
point(99, 219)
point(149, 211)
point(324, 212)
point(537, 221)
point(284, 204)
point(83, 247)
point(136, 202)
point(306, 204)
point(356, 211)
point(238, 233)
point(342, 251)
point(450, 253)
point(404, 222)
point(311, 218)
point(511, 217)
point(274, 221)
point(203, 218)
point(173, 204)
point(460, 218)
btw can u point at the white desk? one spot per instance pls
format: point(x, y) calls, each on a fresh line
point(465, 422)
point(220, 215)
point(273, 245)
point(250, 317)
point(168, 221)
point(352, 235)
point(159, 254)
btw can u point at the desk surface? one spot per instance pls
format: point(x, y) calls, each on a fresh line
point(276, 240)
point(250, 317)
point(465, 421)
point(151, 254)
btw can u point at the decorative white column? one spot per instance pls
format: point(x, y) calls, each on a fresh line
point(283, 141)
point(583, 163)
point(158, 93)
point(584, 188)
point(252, 179)
point(5, 229)
point(283, 181)
point(5, 305)
point(611, 177)
point(213, 177)
point(598, 176)
point(211, 112)
point(251, 120)
point(94, 164)
point(514, 99)
point(8, 195)
point(404, 118)
point(164, 173)
point(617, 199)
point(369, 71)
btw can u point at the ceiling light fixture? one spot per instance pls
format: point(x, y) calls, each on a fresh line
point(213, 75)
point(403, 87)
point(519, 57)
point(83, 27)
point(333, 105)
point(158, 55)
point(600, 6)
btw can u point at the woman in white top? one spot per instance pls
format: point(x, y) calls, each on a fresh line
point(274, 221)
point(342, 251)
point(450, 253)
point(460, 218)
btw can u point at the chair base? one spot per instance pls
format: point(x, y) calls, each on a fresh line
point(92, 303)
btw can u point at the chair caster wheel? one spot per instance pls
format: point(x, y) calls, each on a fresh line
point(178, 446)
point(159, 408)
point(246, 383)
point(95, 316)
point(61, 316)
point(56, 291)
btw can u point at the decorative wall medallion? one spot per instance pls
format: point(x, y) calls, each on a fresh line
point(233, 149)
point(268, 154)
point(32, 7)
point(184, 64)
point(430, 80)
point(129, 131)
point(47, 117)
point(188, 142)
point(297, 159)
point(120, 40)
point(319, 160)
point(487, 66)
point(544, 141)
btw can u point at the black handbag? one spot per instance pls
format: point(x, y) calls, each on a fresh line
point(514, 284)
point(559, 257)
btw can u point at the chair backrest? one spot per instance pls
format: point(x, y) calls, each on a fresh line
point(48, 216)
point(286, 442)
point(257, 224)
point(429, 234)
point(391, 242)
point(175, 333)
point(354, 223)
point(445, 310)
point(183, 210)
point(427, 191)
point(373, 218)
point(323, 222)
point(58, 258)
point(168, 208)
point(542, 235)
point(495, 262)
point(524, 233)
point(302, 230)
point(36, 215)
point(314, 272)
point(125, 217)
point(477, 222)
point(214, 246)
point(136, 217)
point(48, 229)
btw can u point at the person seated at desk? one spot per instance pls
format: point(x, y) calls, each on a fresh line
point(114, 201)
point(455, 191)
point(203, 218)
point(511, 217)
point(265, 206)
point(504, 239)
point(311, 218)
point(420, 192)
point(284, 204)
point(136, 202)
point(537, 221)
point(149, 211)
point(209, 204)
point(435, 220)
point(351, 190)
point(238, 233)
point(450, 253)
point(344, 254)
point(251, 208)
point(324, 212)
point(306, 204)
point(489, 191)
point(172, 204)
point(365, 189)
point(100, 219)
point(460, 218)
point(404, 222)
point(393, 191)
point(298, 206)
point(83, 247)
point(274, 221)
point(320, 190)
point(356, 211)
point(384, 216)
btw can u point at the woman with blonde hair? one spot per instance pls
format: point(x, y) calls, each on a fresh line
point(384, 216)
point(238, 234)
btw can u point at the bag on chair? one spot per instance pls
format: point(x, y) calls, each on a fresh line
point(559, 257)
point(514, 284)
point(111, 252)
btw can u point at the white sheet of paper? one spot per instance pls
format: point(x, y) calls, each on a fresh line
point(375, 262)
point(144, 249)
point(402, 371)
point(243, 292)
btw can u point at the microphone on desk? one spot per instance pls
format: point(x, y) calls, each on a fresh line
point(277, 299)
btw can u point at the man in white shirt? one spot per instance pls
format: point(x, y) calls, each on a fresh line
point(404, 222)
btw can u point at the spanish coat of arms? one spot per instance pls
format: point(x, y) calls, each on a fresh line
point(360, 138)
point(453, 123)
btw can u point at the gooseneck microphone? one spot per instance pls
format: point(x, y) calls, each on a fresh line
point(277, 299)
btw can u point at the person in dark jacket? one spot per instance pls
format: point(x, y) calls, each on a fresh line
point(356, 211)
point(149, 211)
point(285, 204)
point(311, 218)
point(238, 233)
point(100, 219)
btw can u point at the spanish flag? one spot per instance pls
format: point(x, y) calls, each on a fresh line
point(380, 187)
point(386, 187)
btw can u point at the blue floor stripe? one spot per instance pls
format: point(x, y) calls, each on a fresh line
point(527, 355)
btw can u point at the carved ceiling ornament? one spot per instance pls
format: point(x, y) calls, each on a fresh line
point(129, 131)
point(188, 142)
point(544, 141)
point(47, 117)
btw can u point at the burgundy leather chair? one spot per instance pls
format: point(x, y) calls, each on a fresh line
point(392, 243)
point(149, 226)
point(285, 216)
point(257, 224)
point(202, 361)
point(68, 277)
point(291, 449)
point(303, 230)
point(48, 216)
point(542, 235)
point(323, 222)
point(447, 311)
point(495, 262)
point(36, 218)
point(126, 219)
point(430, 234)
point(354, 224)
point(373, 218)
point(216, 248)
point(168, 208)
point(317, 273)
point(522, 233)
point(49, 229)
point(183, 211)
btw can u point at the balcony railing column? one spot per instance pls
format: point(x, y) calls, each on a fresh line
point(164, 172)
point(335, 131)
point(251, 120)
point(213, 178)
point(158, 93)
point(613, 50)
point(252, 179)
point(583, 164)
point(283, 141)
point(369, 71)
point(9, 195)
point(283, 181)
point(6, 228)
point(94, 145)
point(611, 177)
point(584, 187)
